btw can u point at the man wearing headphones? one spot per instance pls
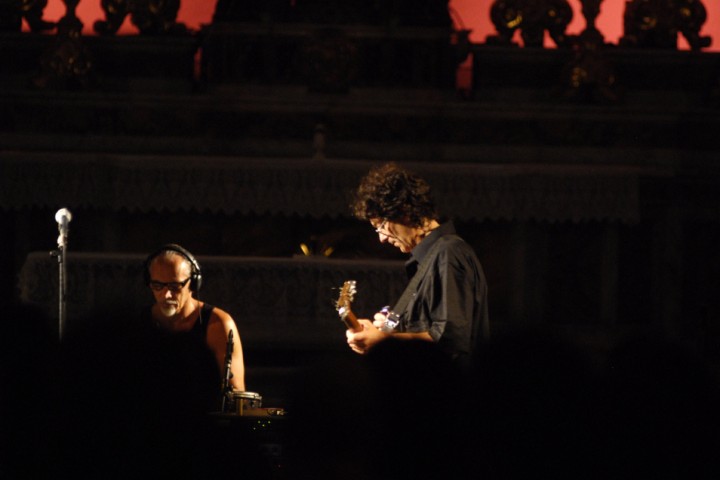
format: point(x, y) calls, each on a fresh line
point(173, 275)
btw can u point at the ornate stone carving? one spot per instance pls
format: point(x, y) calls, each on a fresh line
point(471, 191)
point(151, 17)
point(657, 23)
point(13, 12)
point(252, 11)
point(589, 77)
point(532, 18)
point(388, 13)
point(299, 291)
point(330, 60)
point(68, 64)
point(591, 36)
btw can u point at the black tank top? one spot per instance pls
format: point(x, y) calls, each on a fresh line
point(200, 328)
point(183, 366)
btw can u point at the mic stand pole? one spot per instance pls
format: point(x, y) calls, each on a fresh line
point(62, 283)
point(62, 217)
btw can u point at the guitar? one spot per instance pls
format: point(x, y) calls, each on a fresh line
point(346, 297)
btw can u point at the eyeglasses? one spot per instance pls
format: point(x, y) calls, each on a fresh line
point(381, 228)
point(172, 286)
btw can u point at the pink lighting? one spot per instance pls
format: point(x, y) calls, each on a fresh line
point(474, 15)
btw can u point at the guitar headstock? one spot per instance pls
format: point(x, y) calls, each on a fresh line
point(344, 301)
point(346, 297)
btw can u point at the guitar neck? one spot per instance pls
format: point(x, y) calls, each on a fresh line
point(351, 321)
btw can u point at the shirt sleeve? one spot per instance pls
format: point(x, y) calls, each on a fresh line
point(453, 296)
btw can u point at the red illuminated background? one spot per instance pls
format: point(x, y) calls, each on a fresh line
point(472, 14)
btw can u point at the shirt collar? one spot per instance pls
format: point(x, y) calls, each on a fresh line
point(421, 249)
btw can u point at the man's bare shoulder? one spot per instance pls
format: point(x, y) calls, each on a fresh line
point(221, 317)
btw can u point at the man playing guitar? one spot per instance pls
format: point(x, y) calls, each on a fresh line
point(446, 297)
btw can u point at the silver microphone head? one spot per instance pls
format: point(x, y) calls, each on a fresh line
point(63, 215)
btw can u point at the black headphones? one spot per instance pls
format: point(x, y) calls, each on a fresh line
point(195, 272)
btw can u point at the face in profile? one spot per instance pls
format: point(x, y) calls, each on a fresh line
point(396, 234)
point(170, 283)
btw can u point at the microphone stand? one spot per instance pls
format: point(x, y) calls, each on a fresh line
point(59, 253)
point(227, 387)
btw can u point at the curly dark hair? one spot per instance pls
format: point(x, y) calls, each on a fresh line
point(392, 193)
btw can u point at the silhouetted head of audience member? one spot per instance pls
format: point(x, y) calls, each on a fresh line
point(129, 404)
point(663, 418)
point(28, 392)
point(396, 412)
point(535, 404)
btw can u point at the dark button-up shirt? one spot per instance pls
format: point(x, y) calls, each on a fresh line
point(451, 299)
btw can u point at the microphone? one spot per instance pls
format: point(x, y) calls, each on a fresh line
point(229, 347)
point(63, 217)
point(227, 389)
